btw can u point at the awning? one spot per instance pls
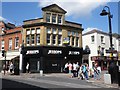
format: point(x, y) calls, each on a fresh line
point(10, 57)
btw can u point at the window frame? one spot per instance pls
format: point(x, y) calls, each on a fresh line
point(16, 42)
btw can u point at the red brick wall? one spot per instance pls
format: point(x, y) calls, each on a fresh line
point(11, 34)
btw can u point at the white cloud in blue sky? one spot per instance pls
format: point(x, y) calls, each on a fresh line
point(2, 19)
point(77, 8)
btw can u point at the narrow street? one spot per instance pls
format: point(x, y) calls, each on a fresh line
point(47, 83)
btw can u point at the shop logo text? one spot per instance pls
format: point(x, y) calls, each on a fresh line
point(54, 52)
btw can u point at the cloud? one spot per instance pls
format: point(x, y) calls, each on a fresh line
point(2, 19)
point(90, 29)
point(76, 8)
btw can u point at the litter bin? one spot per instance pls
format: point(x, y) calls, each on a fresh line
point(113, 71)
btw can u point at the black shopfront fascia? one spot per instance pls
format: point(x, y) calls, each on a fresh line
point(50, 58)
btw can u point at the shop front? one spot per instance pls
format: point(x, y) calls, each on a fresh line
point(50, 59)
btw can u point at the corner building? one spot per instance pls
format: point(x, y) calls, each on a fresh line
point(44, 38)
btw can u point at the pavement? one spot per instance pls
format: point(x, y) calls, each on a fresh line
point(65, 75)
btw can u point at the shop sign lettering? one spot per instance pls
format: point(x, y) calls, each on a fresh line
point(74, 53)
point(54, 52)
point(32, 52)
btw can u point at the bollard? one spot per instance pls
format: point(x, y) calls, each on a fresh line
point(107, 78)
point(41, 72)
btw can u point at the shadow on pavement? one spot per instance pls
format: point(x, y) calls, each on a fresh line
point(10, 84)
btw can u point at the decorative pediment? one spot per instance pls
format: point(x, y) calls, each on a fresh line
point(54, 8)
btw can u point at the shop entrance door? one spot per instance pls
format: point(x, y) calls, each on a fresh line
point(53, 66)
point(34, 64)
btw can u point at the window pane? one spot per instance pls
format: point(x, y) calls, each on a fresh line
point(102, 39)
point(48, 17)
point(10, 44)
point(60, 19)
point(38, 30)
point(77, 41)
point(73, 33)
point(33, 31)
point(69, 33)
point(28, 39)
point(28, 31)
point(77, 34)
point(32, 39)
point(16, 41)
point(73, 41)
point(2, 44)
point(54, 39)
point(92, 38)
point(53, 18)
point(38, 39)
point(48, 30)
point(54, 31)
point(59, 31)
point(48, 38)
point(60, 39)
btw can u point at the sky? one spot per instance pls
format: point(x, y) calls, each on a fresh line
point(84, 12)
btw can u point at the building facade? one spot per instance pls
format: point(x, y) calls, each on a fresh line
point(99, 44)
point(45, 38)
point(10, 41)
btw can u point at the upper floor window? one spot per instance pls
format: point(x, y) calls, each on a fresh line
point(33, 31)
point(2, 44)
point(28, 31)
point(48, 30)
point(77, 41)
point(73, 33)
point(59, 19)
point(73, 41)
point(54, 18)
point(59, 39)
point(48, 17)
point(92, 39)
point(48, 39)
point(10, 43)
point(38, 39)
point(69, 33)
point(28, 39)
point(32, 39)
point(16, 42)
point(77, 34)
point(38, 30)
point(54, 31)
point(59, 31)
point(54, 39)
point(102, 39)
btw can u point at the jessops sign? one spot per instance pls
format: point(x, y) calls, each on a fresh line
point(74, 53)
point(32, 52)
point(56, 52)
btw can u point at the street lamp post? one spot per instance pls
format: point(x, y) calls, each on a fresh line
point(104, 13)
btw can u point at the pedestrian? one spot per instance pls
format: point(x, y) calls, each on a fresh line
point(95, 72)
point(99, 72)
point(85, 72)
point(74, 70)
point(27, 68)
point(66, 68)
point(4, 69)
point(11, 67)
point(77, 67)
point(80, 73)
point(70, 67)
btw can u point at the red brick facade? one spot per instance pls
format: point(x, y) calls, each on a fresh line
point(11, 32)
